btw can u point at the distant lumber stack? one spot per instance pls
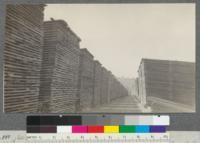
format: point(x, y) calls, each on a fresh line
point(86, 79)
point(96, 101)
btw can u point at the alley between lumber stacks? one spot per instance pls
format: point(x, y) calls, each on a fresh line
point(128, 104)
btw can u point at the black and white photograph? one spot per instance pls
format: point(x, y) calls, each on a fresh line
point(99, 58)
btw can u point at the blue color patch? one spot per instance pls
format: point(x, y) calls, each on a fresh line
point(142, 129)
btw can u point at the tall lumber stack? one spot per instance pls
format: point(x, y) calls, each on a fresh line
point(170, 80)
point(59, 75)
point(136, 87)
point(22, 57)
point(86, 79)
point(123, 92)
point(97, 83)
point(112, 88)
point(104, 86)
point(141, 84)
point(120, 90)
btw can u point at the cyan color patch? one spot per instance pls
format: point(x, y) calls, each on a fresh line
point(142, 129)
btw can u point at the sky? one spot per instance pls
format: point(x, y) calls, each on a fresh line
point(120, 35)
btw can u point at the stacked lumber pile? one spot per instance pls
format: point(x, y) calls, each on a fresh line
point(104, 86)
point(119, 90)
point(141, 84)
point(136, 87)
point(60, 68)
point(123, 92)
point(111, 87)
point(22, 57)
point(97, 83)
point(170, 80)
point(86, 79)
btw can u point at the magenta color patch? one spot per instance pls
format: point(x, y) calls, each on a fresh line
point(79, 129)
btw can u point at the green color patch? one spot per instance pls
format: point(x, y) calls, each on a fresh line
point(127, 129)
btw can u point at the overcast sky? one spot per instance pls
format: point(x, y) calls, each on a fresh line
point(120, 35)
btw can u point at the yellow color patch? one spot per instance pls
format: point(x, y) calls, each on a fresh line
point(111, 129)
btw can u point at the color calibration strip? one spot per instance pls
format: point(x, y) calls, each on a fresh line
point(99, 120)
point(97, 129)
point(97, 124)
